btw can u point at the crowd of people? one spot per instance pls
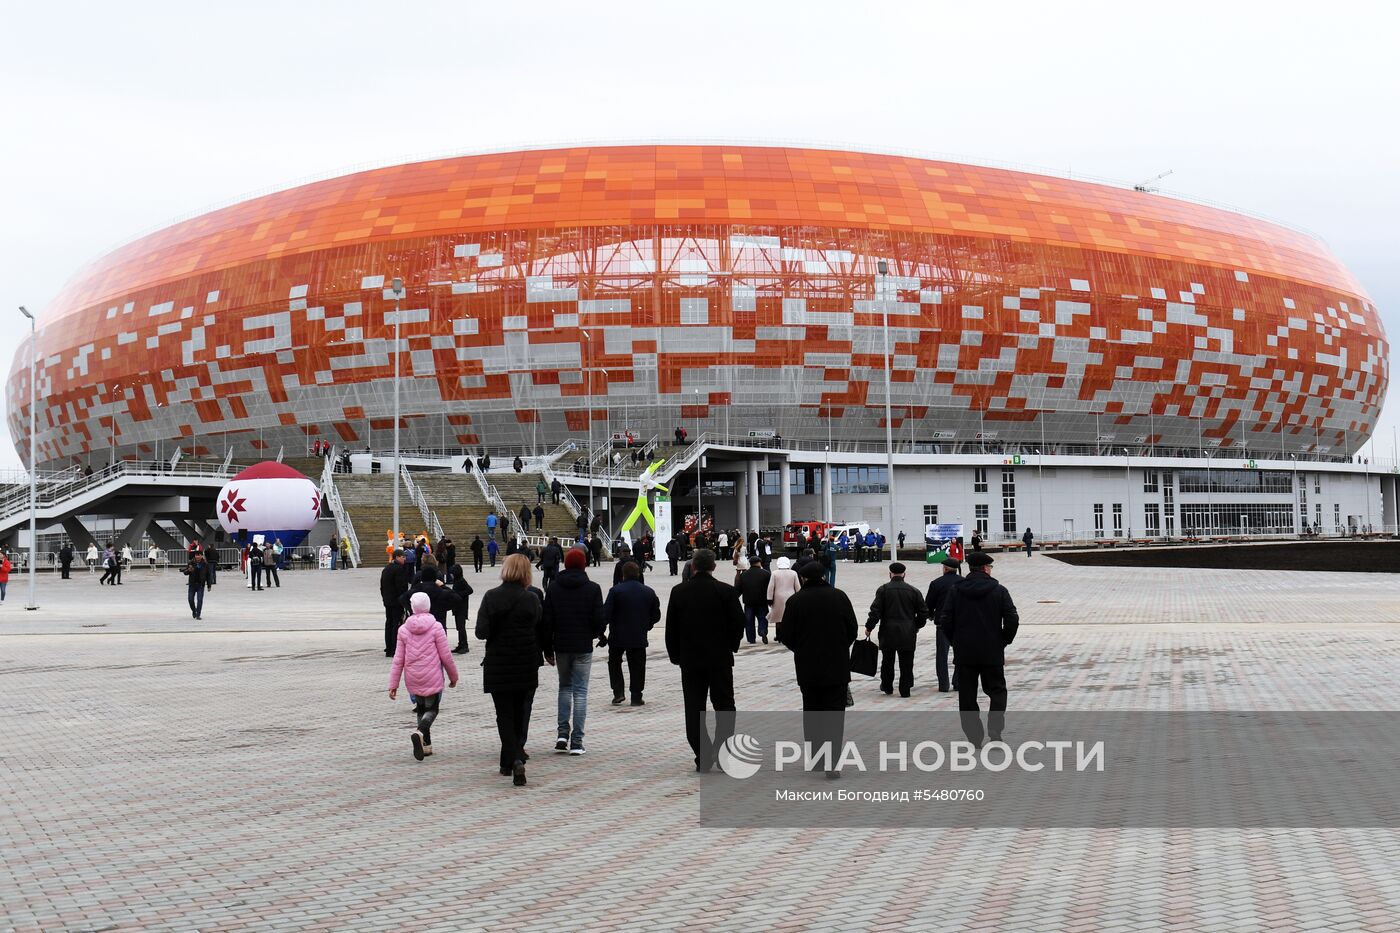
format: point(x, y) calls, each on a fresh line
point(562, 620)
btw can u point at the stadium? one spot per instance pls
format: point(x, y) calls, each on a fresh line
point(1083, 342)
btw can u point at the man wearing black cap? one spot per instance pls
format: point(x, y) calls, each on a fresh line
point(703, 626)
point(394, 581)
point(980, 620)
point(938, 591)
point(819, 627)
point(900, 612)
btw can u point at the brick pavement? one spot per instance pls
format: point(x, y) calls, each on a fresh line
point(248, 772)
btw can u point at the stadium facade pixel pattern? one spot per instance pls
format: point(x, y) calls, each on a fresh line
point(719, 287)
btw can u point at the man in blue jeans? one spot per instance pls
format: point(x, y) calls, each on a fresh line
point(573, 619)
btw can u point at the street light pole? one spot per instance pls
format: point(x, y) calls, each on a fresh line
point(397, 290)
point(33, 474)
point(699, 506)
point(884, 269)
point(588, 374)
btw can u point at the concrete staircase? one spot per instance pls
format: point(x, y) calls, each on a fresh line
point(516, 488)
point(368, 498)
point(459, 504)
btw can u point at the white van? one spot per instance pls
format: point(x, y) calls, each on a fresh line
point(849, 529)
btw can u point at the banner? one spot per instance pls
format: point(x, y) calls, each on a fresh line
point(943, 541)
point(663, 529)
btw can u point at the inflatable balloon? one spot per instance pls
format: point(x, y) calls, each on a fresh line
point(270, 499)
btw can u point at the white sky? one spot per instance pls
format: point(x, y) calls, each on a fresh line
point(118, 118)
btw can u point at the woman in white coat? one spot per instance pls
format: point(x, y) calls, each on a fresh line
point(783, 585)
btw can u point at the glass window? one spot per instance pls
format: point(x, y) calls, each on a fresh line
point(931, 514)
point(979, 479)
point(981, 513)
point(1236, 482)
point(1008, 501)
point(1154, 520)
point(1238, 518)
point(859, 479)
point(1117, 519)
point(1098, 519)
point(1149, 481)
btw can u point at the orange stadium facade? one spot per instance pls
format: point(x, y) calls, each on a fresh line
point(552, 292)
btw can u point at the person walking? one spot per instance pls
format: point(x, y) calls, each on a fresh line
point(753, 590)
point(111, 567)
point(900, 539)
point(900, 611)
point(477, 547)
point(491, 550)
point(394, 581)
point(524, 515)
point(829, 556)
point(595, 550)
point(344, 554)
point(937, 592)
point(981, 620)
point(573, 618)
point(65, 560)
point(491, 525)
point(255, 565)
point(539, 518)
point(519, 465)
point(555, 488)
point(673, 555)
point(704, 624)
point(819, 627)
point(454, 577)
point(1029, 540)
point(5, 567)
point(783, 583)
point(335, 551)
point(629, 613)
point(92, 557)
point(196, 582)
point(551, 556)
point(509, 620)
point(541, 490)
point(279, 559)
point(420, 657)
point(442, 599)
point(723, 543)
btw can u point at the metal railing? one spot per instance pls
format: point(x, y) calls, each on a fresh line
point(53, 492)
point(491, 495)
point(344, 528)
point(417, 497)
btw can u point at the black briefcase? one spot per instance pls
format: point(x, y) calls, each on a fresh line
point(865, 657)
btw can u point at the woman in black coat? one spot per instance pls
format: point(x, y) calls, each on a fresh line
point(456, 578)
point(509, 621)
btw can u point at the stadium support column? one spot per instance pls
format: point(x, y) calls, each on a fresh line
point(741, 488)
point(785, 490)
point(755, 513)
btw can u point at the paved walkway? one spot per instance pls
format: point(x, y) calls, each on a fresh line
point(248, 771)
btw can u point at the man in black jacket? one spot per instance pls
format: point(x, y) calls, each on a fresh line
point(937, 592)
point(65, 560)
point(394, 581)
point(454, 576)
point(753, 587)
point(573, 618)
point(703, 626)
point(819, 627)
point(630, 612)
point(900, 611)
point(550, 558)
point(673, 555)
point(197, 581)
point(981, 620)
point(442, 597)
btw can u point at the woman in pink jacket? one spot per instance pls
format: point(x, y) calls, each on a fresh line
point(420, 658)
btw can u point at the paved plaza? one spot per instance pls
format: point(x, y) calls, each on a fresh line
point(248, 771)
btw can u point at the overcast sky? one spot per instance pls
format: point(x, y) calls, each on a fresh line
point(119, 118)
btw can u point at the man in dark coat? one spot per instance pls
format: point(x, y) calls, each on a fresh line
point(703, 626)
point(819, 626)
point(980, 620)
point(626, 558)
point(753, 589)
point(477, 549)
point(550, 558)
point(629, 612)
point(573, 618)
point(555, 487)
point(394, 581)
point(443, 598)
point(65, 559)
point(197, 581)
point(673, 555)
point(595, 550)
point(524, 517)
point(539, 517)
point(454, 576)
point(937, 592)
point(900, 611)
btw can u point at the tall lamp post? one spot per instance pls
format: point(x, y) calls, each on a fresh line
point(588, 375)
point(33, 476)
point(884, 268)
point(397, 289)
